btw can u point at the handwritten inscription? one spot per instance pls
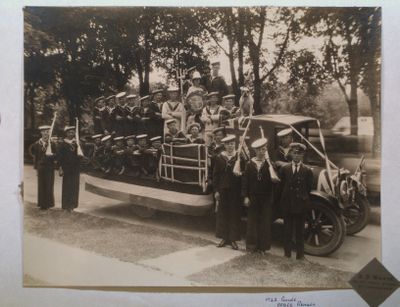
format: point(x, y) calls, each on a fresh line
point(284, 301)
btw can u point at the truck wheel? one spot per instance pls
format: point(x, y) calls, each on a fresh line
point(324, 230)
point(356, 216)
point(143, 212)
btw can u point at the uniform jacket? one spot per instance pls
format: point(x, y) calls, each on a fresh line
point(67, 156)
point(256, 181)
point(217, 84)
point(212, 115)
point(42, 161)
point(223, 177)
point(295, 189)
point(176, 109)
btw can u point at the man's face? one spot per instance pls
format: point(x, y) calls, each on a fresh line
point(172, 127)
point(100, 104)
point(196, 82)
point(131, 102)
point(173, 95)
point(70, 134)
point(213, 100)
point(228, 103)
point(260, 152)
point(121, 101)
point(215, 69)
point(119, 143)
point(145, 103)
point(297, 156)
point(108, 143)
point(111, 103)
point(142, 142)
point(286, 140)
point(218, 136)
point(97, 141)
point(194, 131)
point(157, 97)
point(45, 134)
point(156, 144)
point(130, 142)
point(230, 146)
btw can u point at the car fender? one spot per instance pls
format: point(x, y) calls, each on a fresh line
point(330, 200)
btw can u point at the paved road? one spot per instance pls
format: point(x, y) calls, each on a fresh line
point(352, 256)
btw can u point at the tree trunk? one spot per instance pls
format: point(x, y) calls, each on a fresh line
point(353, 108)
point(240, 41)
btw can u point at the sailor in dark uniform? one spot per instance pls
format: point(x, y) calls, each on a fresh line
point(216, 83)
point(120, 114)
point(98, 114)
point(257, 190)
point(173, 135)
point(94, 150)
point(150, 116)
point(215, 148)
point(154, 153)
point(69, 162)
point(132, 163)
point(228, 104)
point(296, 183)
point(282, 154)
point(109, 117)
point(227, 192)
point(104, 154)
point(118, 156)
point(194, 134)
point(44, 165)
point(157, 97)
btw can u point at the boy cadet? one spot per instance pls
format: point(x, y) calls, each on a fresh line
point(216, 83)
point(118, 155)
point(98, 115)
point(157, 96)
point(69, 169)
point(120, 114)
point(210, 116)
point(154, 153)
point(150, 115)
point(194, 134)
point(141, 153)
point(110, 115)
point(104, 155)
point(133, 115)
point(227, 192)
point(257, 190)
point(296, 183)
point(132, 162)
point(172, 134)
point(173, 108)
point(228, 103)
point(44, 165)
point(282, 153)
point(95, 148)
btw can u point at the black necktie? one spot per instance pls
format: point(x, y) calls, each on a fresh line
point(296, 170)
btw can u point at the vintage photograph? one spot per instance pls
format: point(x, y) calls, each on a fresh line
point(195, 147)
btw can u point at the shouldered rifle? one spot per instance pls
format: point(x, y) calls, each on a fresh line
point(49, 152)
point(274, 176)
point(79, 149)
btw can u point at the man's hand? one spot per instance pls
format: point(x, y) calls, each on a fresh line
point(217, 196)
point(60, 172)
point(246, 201)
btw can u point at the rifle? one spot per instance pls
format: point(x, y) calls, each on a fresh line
point(236, 168)
point(274, 176)
point(79, 149)
point(49, 152)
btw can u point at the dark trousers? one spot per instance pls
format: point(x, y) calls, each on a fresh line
point(70, 188)
point(259, 223)
point(45, 187)
point(228, 215)
point(294, 222)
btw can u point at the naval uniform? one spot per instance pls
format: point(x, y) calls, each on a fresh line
point(98, 114)
point(70, 163)
point(217, 84)
point(228, 187)
point(296, 184)
point(45, 174)
point(258, 187)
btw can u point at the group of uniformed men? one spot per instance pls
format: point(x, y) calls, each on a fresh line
point(129, 133)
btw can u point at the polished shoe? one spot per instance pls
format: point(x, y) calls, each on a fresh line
point(234, 245)
point(222, 243)
point(302, 258)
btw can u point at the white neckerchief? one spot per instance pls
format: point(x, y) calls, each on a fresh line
point(43, 143)
point(111, 109)
point(225, 153)
point(100, 109)
point(258, 163)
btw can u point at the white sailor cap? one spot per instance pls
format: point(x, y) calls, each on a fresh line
point(96, 136)
point(297, 147)
point(169, 121)
point(259, 143)
point(44, 127)
point(130, 137)
point(141, 136)
point(191, 68)
point(173, 88)
point(229, 138)
point(196, 75)
point(155, 139)
point(120, 95)
point(131, 96)
point(230, 96)
point(213, 94)
point(110, 97)
point(189, 128)
point(67, 128)
point(119, 138)
point(160, 90)
point(144, 97)
point(99, 98)
point(106, 138)
point(284, 132)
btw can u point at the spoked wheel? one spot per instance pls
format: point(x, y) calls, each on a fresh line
point(143, 212)
point(356, 215)
point(324, 231)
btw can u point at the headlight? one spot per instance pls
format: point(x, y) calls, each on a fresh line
point(344, 191)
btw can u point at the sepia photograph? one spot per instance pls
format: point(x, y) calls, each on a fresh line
point(201, 147)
